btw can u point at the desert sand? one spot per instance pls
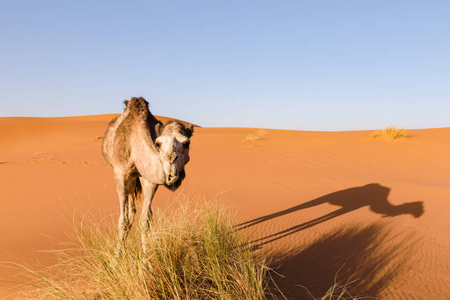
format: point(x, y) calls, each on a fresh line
point(323, 206)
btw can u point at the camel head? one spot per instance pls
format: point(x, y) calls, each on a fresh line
point(413, 208)
point(173, 145)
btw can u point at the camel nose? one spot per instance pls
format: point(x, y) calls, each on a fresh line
point(171, 157)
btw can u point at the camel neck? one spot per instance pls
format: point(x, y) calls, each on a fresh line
point(146, 158)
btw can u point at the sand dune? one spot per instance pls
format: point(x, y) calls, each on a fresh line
point(317, 203)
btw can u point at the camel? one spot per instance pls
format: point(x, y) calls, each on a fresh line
point(144, 154)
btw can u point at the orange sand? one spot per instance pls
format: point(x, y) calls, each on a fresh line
point(317, 203)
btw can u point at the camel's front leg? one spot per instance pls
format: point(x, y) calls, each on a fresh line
point(149, 190)
point(122, 186)
point(131, 200)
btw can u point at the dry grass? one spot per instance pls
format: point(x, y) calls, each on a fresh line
point(257, 136)
point(338, 292)
point(192, 254)
point(391, 133)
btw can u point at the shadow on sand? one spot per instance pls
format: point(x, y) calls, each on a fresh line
point(347, 255)
point(373, 195)
point(357, 254)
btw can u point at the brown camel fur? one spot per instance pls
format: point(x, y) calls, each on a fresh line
point(144, 155)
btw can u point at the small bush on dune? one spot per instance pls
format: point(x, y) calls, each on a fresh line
point(391, 133)
point(257, 136)
point(192, 254)
point(253, 138)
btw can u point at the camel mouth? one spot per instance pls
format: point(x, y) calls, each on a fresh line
point(171, 179)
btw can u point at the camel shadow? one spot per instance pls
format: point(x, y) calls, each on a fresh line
point(348, 254)
point(373, 195)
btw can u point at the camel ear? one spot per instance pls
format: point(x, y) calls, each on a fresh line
point(189, 130)
point(126, 103)
point(158, 129)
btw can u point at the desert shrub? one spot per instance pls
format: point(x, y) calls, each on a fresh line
point(192, 254)
point(257, 136)
point(390, 133)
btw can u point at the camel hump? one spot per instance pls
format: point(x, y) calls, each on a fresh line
point(137, 106)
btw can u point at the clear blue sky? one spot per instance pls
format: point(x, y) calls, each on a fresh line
point(304, 65)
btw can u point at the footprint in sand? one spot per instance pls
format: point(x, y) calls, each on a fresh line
point(42, 157)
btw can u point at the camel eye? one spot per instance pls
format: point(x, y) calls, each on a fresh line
point(186, 144)
point(158, 144)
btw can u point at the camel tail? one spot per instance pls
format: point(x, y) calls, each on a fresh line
point(138, 189)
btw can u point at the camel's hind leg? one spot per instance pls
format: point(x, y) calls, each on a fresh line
point(149, 190)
